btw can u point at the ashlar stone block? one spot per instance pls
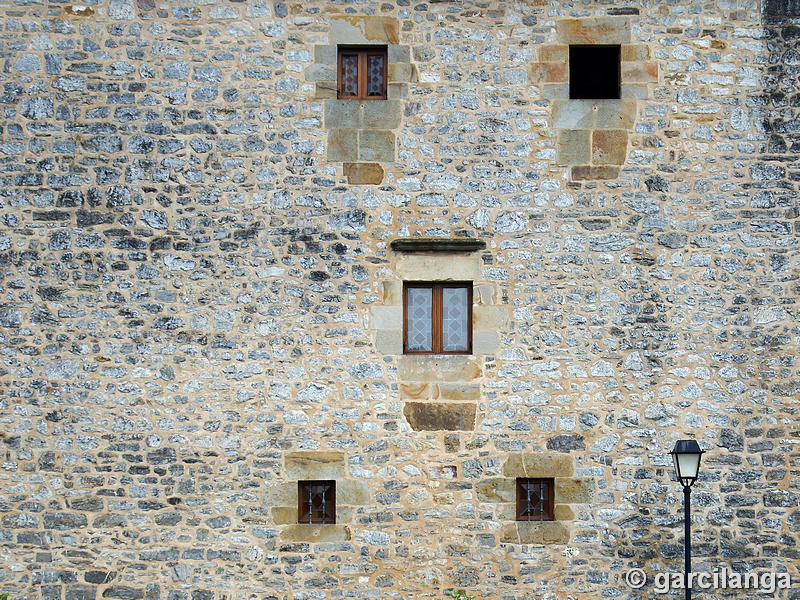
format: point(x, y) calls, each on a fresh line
point(363, 29)
point(499, 489)
point(485, 342)
point(376, 145)
point(362, 173)
point(569, 490)
point(574, 146)
point(554, 53)
point(594, 30)
point(341, 114)
point(589, 173)
point(435, 267)
point(351, 493)
point(386, 317)
point(639, 72)
point(609, 146)
point(440, 368)
point(389, 341)
point(314, 465)
point(535, 532)
point(546, 72)
point(430, 416)
point(342, 145)
point(538, 464)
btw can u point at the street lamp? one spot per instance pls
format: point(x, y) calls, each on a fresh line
point(686, 457)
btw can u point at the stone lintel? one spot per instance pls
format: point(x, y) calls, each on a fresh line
point(437, 245)
point(539, 464)
point(314, 465)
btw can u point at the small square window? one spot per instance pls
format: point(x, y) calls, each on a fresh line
point(594, 72)
point(316, 501)
point(437, 318)
point(535, 499)
point(362, 73)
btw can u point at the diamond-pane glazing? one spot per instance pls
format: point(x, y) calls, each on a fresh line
point(455, 312)
point(420, 319)
point(350, 75)
point(375, 66)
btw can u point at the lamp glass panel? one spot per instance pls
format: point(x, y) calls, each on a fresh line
point(688, 465)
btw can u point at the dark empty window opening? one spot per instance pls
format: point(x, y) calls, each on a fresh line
point(316, 501)
point(594, 72)
point(535, 499)
point(362, 73)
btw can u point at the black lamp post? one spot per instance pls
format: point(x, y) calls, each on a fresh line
point(686, 457)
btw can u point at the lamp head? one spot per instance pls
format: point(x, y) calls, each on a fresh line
point(686, 458)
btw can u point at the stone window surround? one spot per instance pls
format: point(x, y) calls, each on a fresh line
point(440, 392)
point(361, 132)
point(310, 465)
point(592, 135)
point(569, 490)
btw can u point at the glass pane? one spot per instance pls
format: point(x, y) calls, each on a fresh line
point(532, 501)
point(375, 67)
point(349, 83)
point(420, 319)
point(455, 313)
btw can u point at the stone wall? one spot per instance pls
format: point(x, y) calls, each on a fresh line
point(197, 303)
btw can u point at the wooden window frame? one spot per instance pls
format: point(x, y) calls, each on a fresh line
point(306, 516)
point(362, 52)
point(436, 330)
point(573, 75)
point(547, 514)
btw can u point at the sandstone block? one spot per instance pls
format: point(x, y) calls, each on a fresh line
point(442, 368)
point(573, 146)
point(325, 54)
point(554, 53)
point(609, 146)
point(325, 90)
point(535, 532)
point(594, 30)
point(392, 292)
point(429, 266)
point(429, 416)
point(459, 391)
point(572, 490)
point(418, 391)
point(376, 145)
point(386, 317)
point(342, 145)
point(498, 489)
point(634, 52)
point(485, 342)
point(362, 173)
point(563, 512)
point(314, 465)
point(389, 341)
point(351, 493)
point(363, 29)
point(379, 114)
point(545, 72)
point(285, 515)
point(341, 114)
point(554, 91)
point(639, 72)
point(402, 71)
point(281, 494)
point(538, 464)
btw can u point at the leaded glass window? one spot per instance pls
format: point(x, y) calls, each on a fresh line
point(438, 318)
point(362, 73)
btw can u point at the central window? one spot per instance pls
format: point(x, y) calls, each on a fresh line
point(362, 73)
point(316, 501)
point(437, 318)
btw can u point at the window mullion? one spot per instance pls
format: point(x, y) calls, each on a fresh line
point(362, 75)
point(437, 319)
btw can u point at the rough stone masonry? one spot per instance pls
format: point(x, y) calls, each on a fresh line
point(202, 264)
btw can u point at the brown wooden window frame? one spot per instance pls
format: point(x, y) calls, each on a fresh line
point(436, 330)
point(546, 513)
point(362, 52)
point(309, 515)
